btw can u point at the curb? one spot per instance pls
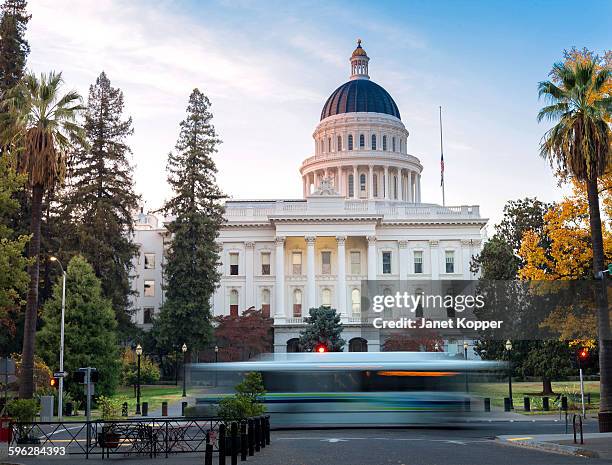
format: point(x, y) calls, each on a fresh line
point(550, 447)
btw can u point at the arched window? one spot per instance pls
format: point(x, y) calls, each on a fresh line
point(329, 149)
point(326, 298)
point(356, 302)
point(322, 146)
point(293, 345)
point(393, 144)
point(373, 141)
point(297, 303)
point(339, 146)
point(351, 190)
point(350, 142)
point(375, 187)
point(384, 142)
point(361, 141)
point(265, 303)
point(234, 302)
point(395, 187)
point(358, 344)
point(400, 145)
point(362, 182)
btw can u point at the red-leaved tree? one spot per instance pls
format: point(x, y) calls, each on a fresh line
point(243, 337)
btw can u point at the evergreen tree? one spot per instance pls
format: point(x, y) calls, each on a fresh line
point(90, 328)
point(323, 326)
point(191, 270)
point(100, 198)
point(14, 48)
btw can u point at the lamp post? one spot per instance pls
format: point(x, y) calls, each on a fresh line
point(509, 350)
point(60, 395)
point(436, 347)
point(465, 350)
point(216, 360)
point(184, 349)
point(138, 354)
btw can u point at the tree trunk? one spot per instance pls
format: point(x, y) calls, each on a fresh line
point(26, 385)
point(605, 344)
point(547, 386)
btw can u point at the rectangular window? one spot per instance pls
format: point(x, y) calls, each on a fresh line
point(233, 264)
point(356, 263)
point(326, 262)
point(147, 315)
point(386, 258)
point(296, 261)
point(149, 288)
point(149, 261)
point(418, 261)
point(450, 261)
point(265, 263)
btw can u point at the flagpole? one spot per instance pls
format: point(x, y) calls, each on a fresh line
point(442, 161)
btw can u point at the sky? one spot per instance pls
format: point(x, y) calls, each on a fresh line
point(268, 68)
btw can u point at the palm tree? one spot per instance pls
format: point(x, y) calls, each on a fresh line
point(580, 144)
point(43, 126)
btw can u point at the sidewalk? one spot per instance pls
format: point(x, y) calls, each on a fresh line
point(596, 445)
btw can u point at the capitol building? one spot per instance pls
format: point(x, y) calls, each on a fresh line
point(361, 217)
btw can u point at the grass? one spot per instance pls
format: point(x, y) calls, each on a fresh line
point(533, 390)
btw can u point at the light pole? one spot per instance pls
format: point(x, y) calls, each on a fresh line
point(436, 347)
point(465, 349)
point(60, 395)
point(509, 350)
point(216, 360)
point(138, 354)
point(184, 349)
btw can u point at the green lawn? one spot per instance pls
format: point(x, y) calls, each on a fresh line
point(571, 389)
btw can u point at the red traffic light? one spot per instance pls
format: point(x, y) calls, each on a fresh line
point(320, 348)
point(583, 354)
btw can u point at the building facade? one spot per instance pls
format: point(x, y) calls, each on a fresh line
point(361, 217)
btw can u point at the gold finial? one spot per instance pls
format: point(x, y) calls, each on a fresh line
point(358, 42)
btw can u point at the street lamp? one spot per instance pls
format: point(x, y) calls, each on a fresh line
point(436, 347)
point(216, 360)
point(184, 349)
point(509, 350)
point(138, 354)
point(465, 349)
point(60, 395)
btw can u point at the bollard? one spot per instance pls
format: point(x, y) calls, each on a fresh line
point(526, 404)
point(243, 441)
point(588, 396)
point(208, 453)
point(234, 433)
point(257, 434)
point(545, 404)
point(69, 407)
point(507, 406)
point(487, 404)
point(164, 409)
point(124, 409)
point(222, 444)
point(251, 434)
point(145, 409)
point(267, 420)
point(564, 403)
point(262, 436)
point(183, 407)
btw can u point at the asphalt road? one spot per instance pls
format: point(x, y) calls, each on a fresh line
point(472, 445)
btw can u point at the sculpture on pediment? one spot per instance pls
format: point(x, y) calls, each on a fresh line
point(326, 187)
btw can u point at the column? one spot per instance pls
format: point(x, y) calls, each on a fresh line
point(371, 183)
point(279, 301)
point(310, 272)
point(304, 185)
point(418, 188)
point(466, 258)
point(341, 287)
point(355, 182)
point(386, 183)
point(249, 265)
point(404, 259)
point(316, 180)
point(371, 258)
point(410, 197)
point(435, 260)
point(400, 185)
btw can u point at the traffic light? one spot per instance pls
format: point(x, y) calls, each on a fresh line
point(583, 354)
point(320, 348)
point(54, 383)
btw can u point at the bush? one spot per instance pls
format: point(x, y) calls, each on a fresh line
point(23, 410)
point(110, 409)
point(246, 402)
point(149, 371)
point(42, 374)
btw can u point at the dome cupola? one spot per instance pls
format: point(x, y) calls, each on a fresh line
point(359, 63)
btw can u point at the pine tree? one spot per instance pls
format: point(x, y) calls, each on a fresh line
point(323, 326)
point(100, 198)
point(193, 257)
point(90, 328)
point(14, 48)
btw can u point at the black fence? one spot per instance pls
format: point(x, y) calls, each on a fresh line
point(151, 437)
